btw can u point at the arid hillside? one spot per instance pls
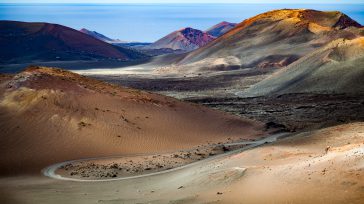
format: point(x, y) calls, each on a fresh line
point(270, 40)
point(50, 115)
point(336, 68)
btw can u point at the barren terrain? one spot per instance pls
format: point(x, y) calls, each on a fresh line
point(50, 115)
point(231, 122)
point(324, 166)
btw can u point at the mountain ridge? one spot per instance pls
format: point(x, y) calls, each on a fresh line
point(265, 40)
point(220, 28)
point(100, 36)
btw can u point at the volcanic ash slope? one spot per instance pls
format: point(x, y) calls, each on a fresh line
point(336, 68)
point(50, 115)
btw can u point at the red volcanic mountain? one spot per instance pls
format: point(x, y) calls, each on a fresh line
point(185, 39)
point(220, 29)
point(27, 42)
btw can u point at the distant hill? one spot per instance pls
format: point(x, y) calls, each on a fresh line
point(116, 42)
point(101, 36)
point(220, 29)
point(24, 42)
point(141, 47)
point(186, 39)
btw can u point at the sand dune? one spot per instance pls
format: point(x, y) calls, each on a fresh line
point(49, 115)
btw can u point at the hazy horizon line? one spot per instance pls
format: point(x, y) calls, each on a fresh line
point(98, 3)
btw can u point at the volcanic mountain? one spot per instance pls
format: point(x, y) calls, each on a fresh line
point(185, 39)
point(273, 39)
point(220, 29)
point(50, 115)
point(100, 36)
point(30, 42)
point(335, 68)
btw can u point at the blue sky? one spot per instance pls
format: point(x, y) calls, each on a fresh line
point(148, 22)
point(188, 1)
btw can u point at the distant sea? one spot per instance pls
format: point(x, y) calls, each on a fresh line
point(149, 22)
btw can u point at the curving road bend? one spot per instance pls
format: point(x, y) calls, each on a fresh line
point(50, 171)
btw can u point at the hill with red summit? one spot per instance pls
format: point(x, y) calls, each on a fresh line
point(185, 39)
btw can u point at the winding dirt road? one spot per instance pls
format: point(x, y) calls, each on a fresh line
point(50, 171)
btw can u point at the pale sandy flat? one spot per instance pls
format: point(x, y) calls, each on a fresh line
point(295, 170)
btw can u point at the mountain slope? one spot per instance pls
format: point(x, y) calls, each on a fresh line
point(220, 28)
point(273, 39)
point(185, 39)
point(50, 115)
point(336, 68)
point(27, 42)
point(100, 36)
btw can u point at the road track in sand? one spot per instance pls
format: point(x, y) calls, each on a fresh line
point(50, 171)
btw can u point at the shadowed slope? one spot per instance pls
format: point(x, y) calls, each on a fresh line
point(27, 42)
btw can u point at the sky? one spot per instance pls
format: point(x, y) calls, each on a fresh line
point(188, 1)
point(148, 22)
